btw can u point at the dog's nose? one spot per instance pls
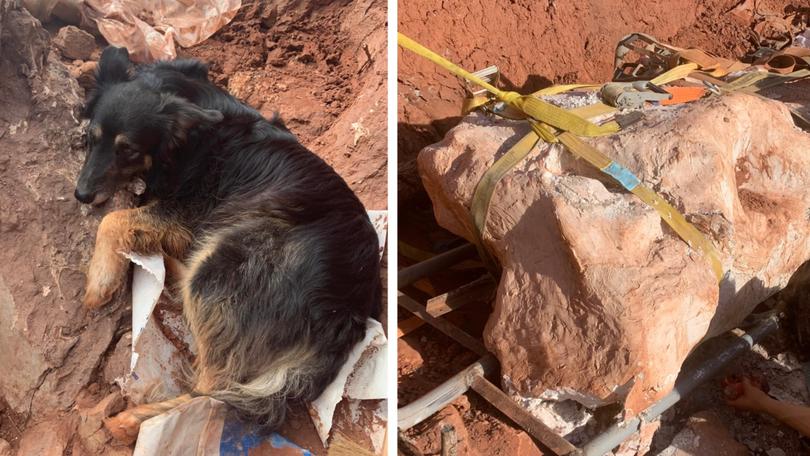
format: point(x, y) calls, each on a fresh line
point(85, 198)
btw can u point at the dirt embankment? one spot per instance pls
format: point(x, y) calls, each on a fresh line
point(539, 43)
point(321, 65)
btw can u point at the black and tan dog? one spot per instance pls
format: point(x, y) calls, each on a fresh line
point(278, 260)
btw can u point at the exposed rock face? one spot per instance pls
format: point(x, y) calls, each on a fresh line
point(600, 300)
point(54, 345)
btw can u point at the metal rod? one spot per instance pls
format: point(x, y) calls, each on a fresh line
point(450, 330)
point(619, 432)
point(523, 418)
point(418, 410)
point(411, 274)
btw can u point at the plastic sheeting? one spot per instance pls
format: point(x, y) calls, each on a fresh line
point(149, 29)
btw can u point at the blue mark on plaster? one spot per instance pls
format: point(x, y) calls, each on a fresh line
point(623, 175)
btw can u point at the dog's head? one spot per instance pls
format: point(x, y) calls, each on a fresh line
point(131, 125)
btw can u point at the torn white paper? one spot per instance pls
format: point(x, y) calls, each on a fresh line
point(147, 285)
point(367, 381)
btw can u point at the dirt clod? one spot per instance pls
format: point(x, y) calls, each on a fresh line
point(74, 43)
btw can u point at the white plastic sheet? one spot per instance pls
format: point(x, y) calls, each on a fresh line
point(149, 29)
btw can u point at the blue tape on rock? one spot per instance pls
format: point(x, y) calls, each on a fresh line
point(623, 175)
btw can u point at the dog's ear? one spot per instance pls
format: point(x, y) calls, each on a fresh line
point(184, 115)
point(114, 66)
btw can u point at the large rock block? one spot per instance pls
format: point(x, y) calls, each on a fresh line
point(600, 300)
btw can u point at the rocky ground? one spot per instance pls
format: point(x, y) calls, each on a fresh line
point(536, 45)
point(320, 65)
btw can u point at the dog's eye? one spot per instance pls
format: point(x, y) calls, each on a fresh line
point(128, 152)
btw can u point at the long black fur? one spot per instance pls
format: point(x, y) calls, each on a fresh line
point(297, 263)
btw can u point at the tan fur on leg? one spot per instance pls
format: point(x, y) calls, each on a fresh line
point(130, 230)
point(125, 426)
point(175, 269)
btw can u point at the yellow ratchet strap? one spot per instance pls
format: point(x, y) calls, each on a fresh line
point(694, 238)
point(544, 119)
point(533, 107)
point(759, 80)
point(674, 74)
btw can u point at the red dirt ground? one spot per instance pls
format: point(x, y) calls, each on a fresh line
point(534, 44)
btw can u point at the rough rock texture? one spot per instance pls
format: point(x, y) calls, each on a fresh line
point(48, 438)
point(47, 238)
point(74, 43)
point(599, 300)
point(705, 434)
point(90, 431)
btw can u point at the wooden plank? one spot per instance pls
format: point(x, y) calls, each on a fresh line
point(404, 327)
point(523, 418)
point(479, 289)
point(450, 330)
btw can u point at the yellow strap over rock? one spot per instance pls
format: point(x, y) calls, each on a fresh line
point(533, 107)
point(544, 119)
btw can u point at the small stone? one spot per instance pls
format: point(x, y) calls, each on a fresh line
point(75, 43)
point(5, 448)
point(86, 74)
point(269, 16)
point(91, 422)
point(776, 452)
point(48, 438)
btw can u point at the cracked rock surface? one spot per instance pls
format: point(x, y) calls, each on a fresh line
point(600, 301)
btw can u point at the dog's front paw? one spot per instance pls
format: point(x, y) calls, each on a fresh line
point(104, 277)
point(123, 427)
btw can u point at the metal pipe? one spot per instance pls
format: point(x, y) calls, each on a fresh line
point(418, 410)
point(619, 432)
point(411, 274)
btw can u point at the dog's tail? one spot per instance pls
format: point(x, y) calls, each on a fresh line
point(263, 398)
point(125, 426)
